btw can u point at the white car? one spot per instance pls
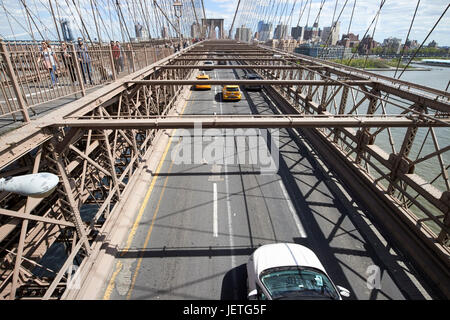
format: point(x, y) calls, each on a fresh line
point(289, 271)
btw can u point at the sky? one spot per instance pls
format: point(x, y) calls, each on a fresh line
point(394, 20)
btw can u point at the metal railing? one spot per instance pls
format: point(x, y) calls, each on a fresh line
point(27, 80)
point(97, 171)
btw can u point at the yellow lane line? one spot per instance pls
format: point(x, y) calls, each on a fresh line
point(110, 287)
point(147, 238)
point(111, 283)
point(144, 203)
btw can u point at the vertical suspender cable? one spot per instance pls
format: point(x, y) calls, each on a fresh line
point(349, 25)
point(54, 20)
point(234, 18)
point(368, 28)
point(407, 37)
point(423, 42)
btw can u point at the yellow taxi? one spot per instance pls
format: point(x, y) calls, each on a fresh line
point(203, 86)
point(231, 92)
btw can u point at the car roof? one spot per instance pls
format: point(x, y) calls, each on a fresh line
point(231, 86)
point(285, 255)
point(202, 76)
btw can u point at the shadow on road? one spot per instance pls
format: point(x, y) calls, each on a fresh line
point(234, 284)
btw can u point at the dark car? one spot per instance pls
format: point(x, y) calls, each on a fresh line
point(252, 76)
point(207, 66)
point(221, 62)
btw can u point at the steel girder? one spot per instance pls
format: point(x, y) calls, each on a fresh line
point(401, 177)
point(283, 121)
point(96, 168)
point(96, 165)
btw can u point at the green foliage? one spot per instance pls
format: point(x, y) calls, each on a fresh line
point(370, 63)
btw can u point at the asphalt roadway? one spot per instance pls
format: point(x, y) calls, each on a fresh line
point(202, 220)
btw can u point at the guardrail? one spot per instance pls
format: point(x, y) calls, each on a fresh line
point(28, 80)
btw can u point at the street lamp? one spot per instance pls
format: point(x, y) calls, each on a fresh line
point(177, 6)
point(36, 185)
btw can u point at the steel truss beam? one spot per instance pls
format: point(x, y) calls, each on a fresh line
point(225, 58)
point(97, 165)
point(410, 194)
point(276, 121)
point(253, 66)
point(232, 54)
point(261, 82)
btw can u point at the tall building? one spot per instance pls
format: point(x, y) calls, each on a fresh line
point(145, 35)
point(195, 30)
point(330, 35)
point(281, 32)
point(66, 30)
point(297, 33)
point(432, 44)
point(138, 30)
point(412, 44)
point(311, 34)
point(349, 40)
point(260, 26)
point(266, 32)
point(164, 33)
point(319, 51)
point(243, 34)
point(366, 44)
point(393, 43)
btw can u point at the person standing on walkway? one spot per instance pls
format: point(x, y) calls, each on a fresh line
point(50, 61)
point(68, 62)
point(130, 56)
point(116, 56)
point(121, 54)
point(85, 60)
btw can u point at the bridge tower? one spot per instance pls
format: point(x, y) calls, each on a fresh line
point(211, 25)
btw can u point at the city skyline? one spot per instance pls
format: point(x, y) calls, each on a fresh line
point(389, 25)
point(329, 35)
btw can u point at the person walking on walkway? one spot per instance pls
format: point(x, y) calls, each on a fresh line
point(49, 60)
point(68, 62)
point(85, 60)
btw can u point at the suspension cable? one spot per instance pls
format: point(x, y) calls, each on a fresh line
point(423, 42)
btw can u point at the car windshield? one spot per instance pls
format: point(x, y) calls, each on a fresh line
point(232, 89)
point(252, 77)
point(203, 78)
point(298, 283)
point(208, 62)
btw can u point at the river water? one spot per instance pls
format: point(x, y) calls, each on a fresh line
point(438, 78)
point(424, 144)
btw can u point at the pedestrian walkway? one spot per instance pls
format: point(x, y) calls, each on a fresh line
point(36, 78)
